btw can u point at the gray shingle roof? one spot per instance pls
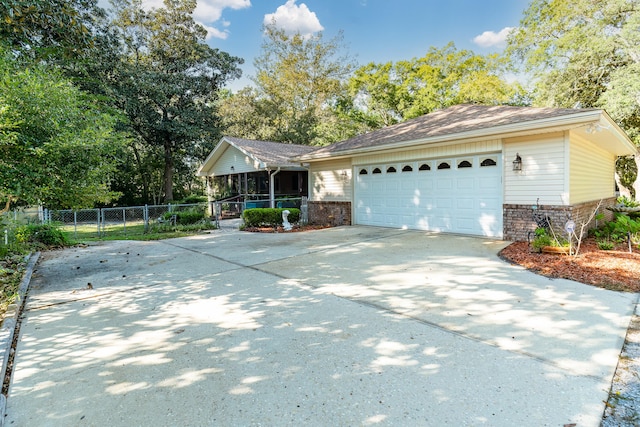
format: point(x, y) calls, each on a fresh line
point(272, 153)
point(453, 120)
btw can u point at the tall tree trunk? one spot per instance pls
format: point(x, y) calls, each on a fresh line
point(143, 174)
point(168, 170)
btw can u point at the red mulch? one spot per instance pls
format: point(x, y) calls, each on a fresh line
point(616, 269)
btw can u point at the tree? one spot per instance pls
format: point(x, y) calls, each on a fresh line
point(443, 77)
point(56, 144)
point(299, 80)
point(166, 82)
point(586, 53)
point(49, 29)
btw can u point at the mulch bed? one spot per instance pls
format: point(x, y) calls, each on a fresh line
point(615, 269)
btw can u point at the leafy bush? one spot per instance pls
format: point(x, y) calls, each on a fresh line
point(41, 235)
point(270, 217)
point(542, 239)
point(617, 229)
point(189, 216)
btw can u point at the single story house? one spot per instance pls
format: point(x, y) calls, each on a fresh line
point(469, 169)
point(262, 170)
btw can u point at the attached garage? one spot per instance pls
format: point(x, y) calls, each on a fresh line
point(458, 195)
point(471, 169)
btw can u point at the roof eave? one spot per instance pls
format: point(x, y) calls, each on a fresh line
point(552, 124)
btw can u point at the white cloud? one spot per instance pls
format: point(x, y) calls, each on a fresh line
point(208, 13)
point(491, 38)
point(294, 19)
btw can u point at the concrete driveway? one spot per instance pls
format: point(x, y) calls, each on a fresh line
point(347, 326)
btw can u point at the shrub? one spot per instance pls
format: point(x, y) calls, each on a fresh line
point(43, 235)
point(270, 217)
point(189, 216)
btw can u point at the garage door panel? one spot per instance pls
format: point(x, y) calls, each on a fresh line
point(464, 200)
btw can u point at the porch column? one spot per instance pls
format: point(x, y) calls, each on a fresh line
point(272, 186)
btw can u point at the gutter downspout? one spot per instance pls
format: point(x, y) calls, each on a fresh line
point(272, 197)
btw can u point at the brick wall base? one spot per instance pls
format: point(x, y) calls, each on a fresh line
point(518, 220)
point(329, 213)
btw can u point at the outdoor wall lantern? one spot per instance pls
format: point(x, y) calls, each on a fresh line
point(517, 163)
point(233, 168)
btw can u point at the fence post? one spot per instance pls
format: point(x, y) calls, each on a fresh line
point(75, 224)
point(145, 217)
point(98, 213)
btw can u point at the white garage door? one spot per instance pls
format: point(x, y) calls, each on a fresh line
point(458, 195)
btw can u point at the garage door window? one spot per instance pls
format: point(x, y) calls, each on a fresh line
point(407, 168)
point(464, 164)
point(363, 172)
point(391, 169)
point(444, 165)
point(376, 170)
point(488, 162)
point(424, 167)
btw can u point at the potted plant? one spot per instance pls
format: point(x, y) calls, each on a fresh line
point(547, 243)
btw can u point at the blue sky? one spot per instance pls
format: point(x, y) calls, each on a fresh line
point(374, 30)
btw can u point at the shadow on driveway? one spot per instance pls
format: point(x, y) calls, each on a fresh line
point(344, 326)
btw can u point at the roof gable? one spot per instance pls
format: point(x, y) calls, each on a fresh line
point(265, 154)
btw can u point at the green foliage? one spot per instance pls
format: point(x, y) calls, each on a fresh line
point(270, 217)
point(542, 239)
point(298, 78)
point(620, 229)
point(41, 236)
point(165, 80)
point(625, 201)
point(442, 78)
point(605, 246)
point(49, 29)
point(193, 199)
point(56, 143)
point(185, 217)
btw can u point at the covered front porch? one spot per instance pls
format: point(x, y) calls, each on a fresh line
point(266, 188)
point(257, 173)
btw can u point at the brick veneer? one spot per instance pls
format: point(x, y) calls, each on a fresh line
point(329, 213)
point(518, 219)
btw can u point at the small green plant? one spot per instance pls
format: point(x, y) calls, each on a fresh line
point(541, 239)
point(625, 201)
point(605, 246)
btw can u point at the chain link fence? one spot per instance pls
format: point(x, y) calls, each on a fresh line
point(132, 220)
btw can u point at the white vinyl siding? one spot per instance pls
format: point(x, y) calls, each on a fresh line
point(430, 152)
point(543, 175)
point(330, 181)
point(233, 157)
point(592, 172)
